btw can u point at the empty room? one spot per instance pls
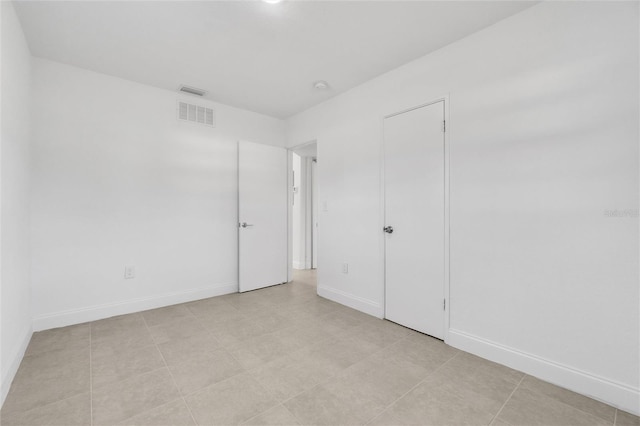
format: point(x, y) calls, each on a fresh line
point(316, 212)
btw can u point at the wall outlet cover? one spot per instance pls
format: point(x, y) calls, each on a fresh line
point(129, 272)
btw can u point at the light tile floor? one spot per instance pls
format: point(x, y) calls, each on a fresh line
point(276, 356)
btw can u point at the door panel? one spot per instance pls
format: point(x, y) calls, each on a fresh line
point(262, 207)
point(414, 207)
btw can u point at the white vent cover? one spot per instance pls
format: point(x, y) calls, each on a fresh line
point(192, 90)
point(196, 114)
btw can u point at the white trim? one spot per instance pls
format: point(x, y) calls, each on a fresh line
point(617, 394)
point(306, 262)
point(382, 209)
point(14, 365)
point(361, 304)
point(308, 215)
point(447, 217)
point(314, 211)
point(302, 145)
point(290, 195)
point(96, 312)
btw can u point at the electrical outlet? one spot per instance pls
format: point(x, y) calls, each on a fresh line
point(129, 272)
point(345, 268)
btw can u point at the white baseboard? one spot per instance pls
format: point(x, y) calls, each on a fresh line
point(356, 302)
point(608, 391)
point(93, 313)
point(14, 365)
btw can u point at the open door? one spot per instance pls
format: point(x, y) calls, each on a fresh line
point(262, 216)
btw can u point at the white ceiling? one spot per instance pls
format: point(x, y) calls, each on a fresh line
point(250, 54)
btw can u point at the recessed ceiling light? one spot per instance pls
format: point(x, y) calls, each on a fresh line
point(321, 85)
point(272, 1)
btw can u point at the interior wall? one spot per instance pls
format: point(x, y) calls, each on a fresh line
point(119, 181)
point(15, 304)
point(543, 138)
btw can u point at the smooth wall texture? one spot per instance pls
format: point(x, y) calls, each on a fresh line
point(119, 181)
point(15, 303)
point(543, 139)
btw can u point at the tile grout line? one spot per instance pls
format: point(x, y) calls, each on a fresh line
point(225, 349)
point(182, 397)
point(279, 404)
point(246, 372)
point(595, 416)
point(345, 369)
point(508, 399)
point(43, 405)
point(169, 371)
point(321, 382)
point(326, 379)
point(414, 387)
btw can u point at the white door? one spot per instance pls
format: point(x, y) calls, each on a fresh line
point(262, 215)
point(414, 219)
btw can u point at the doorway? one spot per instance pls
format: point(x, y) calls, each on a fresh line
point(416, 240)
point(304, 212)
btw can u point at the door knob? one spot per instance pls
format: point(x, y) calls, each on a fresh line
point(388, 229)
point(245, 225)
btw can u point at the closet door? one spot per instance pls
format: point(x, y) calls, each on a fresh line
point(414, 218)
point(262, 215)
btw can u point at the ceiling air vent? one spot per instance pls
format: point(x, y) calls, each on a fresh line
point(196, 114)
point(192, 90)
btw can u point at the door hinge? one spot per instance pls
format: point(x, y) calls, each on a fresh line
point(444, 304)
point(444, 125)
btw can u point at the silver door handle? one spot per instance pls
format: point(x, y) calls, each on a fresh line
point(245, 225)
point(388, 229)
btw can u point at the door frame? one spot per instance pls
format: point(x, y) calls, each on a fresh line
point(290, 151)
point(447, 207)
point(313, 186)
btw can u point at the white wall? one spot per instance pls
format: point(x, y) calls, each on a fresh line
point(543, 133)
point(15, 306)
point(118, 180)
